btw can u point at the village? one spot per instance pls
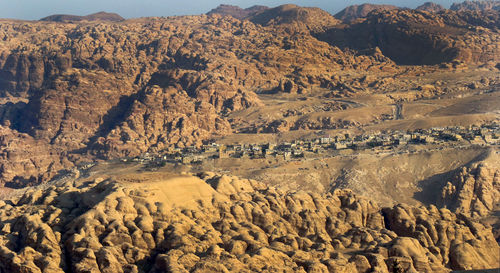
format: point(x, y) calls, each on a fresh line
point(334, 145)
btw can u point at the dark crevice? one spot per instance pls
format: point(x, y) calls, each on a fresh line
point(115, 116)
point(65, 117)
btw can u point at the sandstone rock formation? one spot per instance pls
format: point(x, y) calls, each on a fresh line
point(416, 37)
point(213, 63)
point(474, 191)
point(25, 161)
point(51, 74)
point(90, 89)
point(159, 118)
point(116, 225)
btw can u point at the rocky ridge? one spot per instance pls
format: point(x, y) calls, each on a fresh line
point(354, 12)
point(295, 17)
point(236, 11)
point(290, 17)
point(99, 16)
point(147, 129)
point(416, 37)
point(116, 225)
point(476, 5)
point(430, 7)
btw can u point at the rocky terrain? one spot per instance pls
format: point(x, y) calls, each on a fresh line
point(118, 224)
point(476, 5)
point(211, 66)
point(236, 11)
point(473, 191)
point(85, 100)
point(294, 18)
point(414, 37)
point(430, 7)
point(354, 12)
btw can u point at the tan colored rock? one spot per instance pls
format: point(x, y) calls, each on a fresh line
point(474, 191)
point(255, 230)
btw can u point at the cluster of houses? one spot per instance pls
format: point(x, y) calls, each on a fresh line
point(484, 135)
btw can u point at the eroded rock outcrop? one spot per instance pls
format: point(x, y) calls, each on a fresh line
point(158, 119)
point(238, 225)
point(474, 191)
point(417, 37)
point(25, 161)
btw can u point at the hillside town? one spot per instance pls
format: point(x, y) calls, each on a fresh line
point(474, 135)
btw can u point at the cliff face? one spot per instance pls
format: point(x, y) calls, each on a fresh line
point(473, 191)
point(25, 161)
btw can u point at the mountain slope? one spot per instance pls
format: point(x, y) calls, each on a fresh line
point(430, 7)
point(159, 84)
point(310, 18)
point(354, 12)
point(236, 11)
point(414, 37)
point(476, 5)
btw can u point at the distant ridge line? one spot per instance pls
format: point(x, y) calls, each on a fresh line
point(99, 16)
